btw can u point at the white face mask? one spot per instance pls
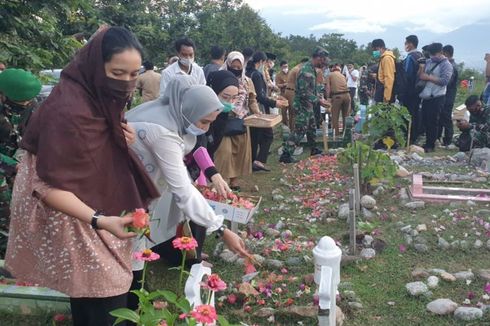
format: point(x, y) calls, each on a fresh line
point(192, 129)
point(285, 70)
point(186, 61)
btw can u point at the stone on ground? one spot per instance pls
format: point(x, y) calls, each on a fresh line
point(343, 211)
point(368, 202)
point(443, 244)
point(415, 204)
point(442, 306)
point(368, 253)
point(465, 275)
point(484, 274)
point(432, 281)
point(417, 288)
point(416, 149)
point(447, 277)
point(468, 313)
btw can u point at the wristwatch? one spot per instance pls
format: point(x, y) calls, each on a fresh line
point(94, 220)
point(220, 231)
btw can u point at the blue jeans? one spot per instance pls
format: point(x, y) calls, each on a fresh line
point(486, 94)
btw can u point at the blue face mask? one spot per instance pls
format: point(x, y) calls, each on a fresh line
point(194, 130)
point(227, 106)
point(376, 54)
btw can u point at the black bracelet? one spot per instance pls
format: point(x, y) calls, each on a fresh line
point(221, 231)
point(94, 220)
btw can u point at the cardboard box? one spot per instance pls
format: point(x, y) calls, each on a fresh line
point(236, 214)
point(262, 121)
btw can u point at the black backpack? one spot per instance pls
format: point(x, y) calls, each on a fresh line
point(400, 86)
point(404, 83)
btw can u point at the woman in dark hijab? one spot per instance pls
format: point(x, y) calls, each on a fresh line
point(77, 178)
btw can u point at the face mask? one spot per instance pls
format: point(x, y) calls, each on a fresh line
point(186, 61)
point(194, 130)
point(261, 68)
point(376, 54)
point(120, 89)
point(227, 106)
point(285, 70)
point(237, 72)
point(271, 65)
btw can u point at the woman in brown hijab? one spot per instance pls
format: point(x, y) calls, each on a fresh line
point(76, 179)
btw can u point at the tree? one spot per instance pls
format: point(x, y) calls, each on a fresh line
point(340, 49)
point(30, 34)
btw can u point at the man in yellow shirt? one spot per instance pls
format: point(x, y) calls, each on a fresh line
point(386, 72)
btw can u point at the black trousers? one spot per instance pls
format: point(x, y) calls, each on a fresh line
point(431, 110)
point(95, 311)
point(352, 92)
point(261, 139)
point(446, 123)
point(412, 103)
point(174, 256)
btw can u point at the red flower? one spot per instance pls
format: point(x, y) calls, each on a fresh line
point(59, 318)
point(247, 308)
point(231, 298)
point(214, 283)
point(140, 218)
point(205, 314)
point(184, 243)
point(146, 255)
point(261, 302)
point(182, 316)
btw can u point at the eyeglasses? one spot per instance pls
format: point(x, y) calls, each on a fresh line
point(229, 98)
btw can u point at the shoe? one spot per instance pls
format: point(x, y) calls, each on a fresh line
point(256, 168)
point(316, 151)
point(287, 159)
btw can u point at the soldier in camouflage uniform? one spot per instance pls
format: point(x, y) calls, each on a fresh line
point(478, 127)
point(305, 99)
point(18, 88)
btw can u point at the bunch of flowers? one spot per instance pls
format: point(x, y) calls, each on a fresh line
point(231, 199)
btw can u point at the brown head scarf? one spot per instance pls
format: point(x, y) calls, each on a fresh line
point(79, 142)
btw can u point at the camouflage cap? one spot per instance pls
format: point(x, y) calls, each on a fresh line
point(319, 52)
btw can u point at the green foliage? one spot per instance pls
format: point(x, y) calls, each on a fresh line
point(387, 119)
point(374, 165)
point(387, 124)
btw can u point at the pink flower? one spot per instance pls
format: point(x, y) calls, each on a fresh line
point(487, 288)
point(470, 295)
point(205, 314)
point(231, 298)
point(140, 218)
point(182, 316)
point(402, 248)
point(146, 255)
point(184, 243)
point(159, 305)
point(163, 323)
point(214, 283)
point(59, 318)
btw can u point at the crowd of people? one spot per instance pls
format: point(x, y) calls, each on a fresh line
point(79, 160)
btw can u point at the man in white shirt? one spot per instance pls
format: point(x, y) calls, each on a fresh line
point(185, 48)
point(352, 75)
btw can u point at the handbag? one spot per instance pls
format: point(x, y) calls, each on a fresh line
point(234, 127)
point(420, 84)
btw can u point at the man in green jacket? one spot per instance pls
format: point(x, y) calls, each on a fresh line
point(305, 98)
point(477, 128)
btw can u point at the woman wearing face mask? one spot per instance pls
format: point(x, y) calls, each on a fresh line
point(75, 180)
point(166, 131)
point(261, 137)
point(232, 153)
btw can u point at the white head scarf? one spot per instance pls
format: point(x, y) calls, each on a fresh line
point(181, 98)
point(232, 56)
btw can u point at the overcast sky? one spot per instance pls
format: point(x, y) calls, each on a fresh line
point(376, 16)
